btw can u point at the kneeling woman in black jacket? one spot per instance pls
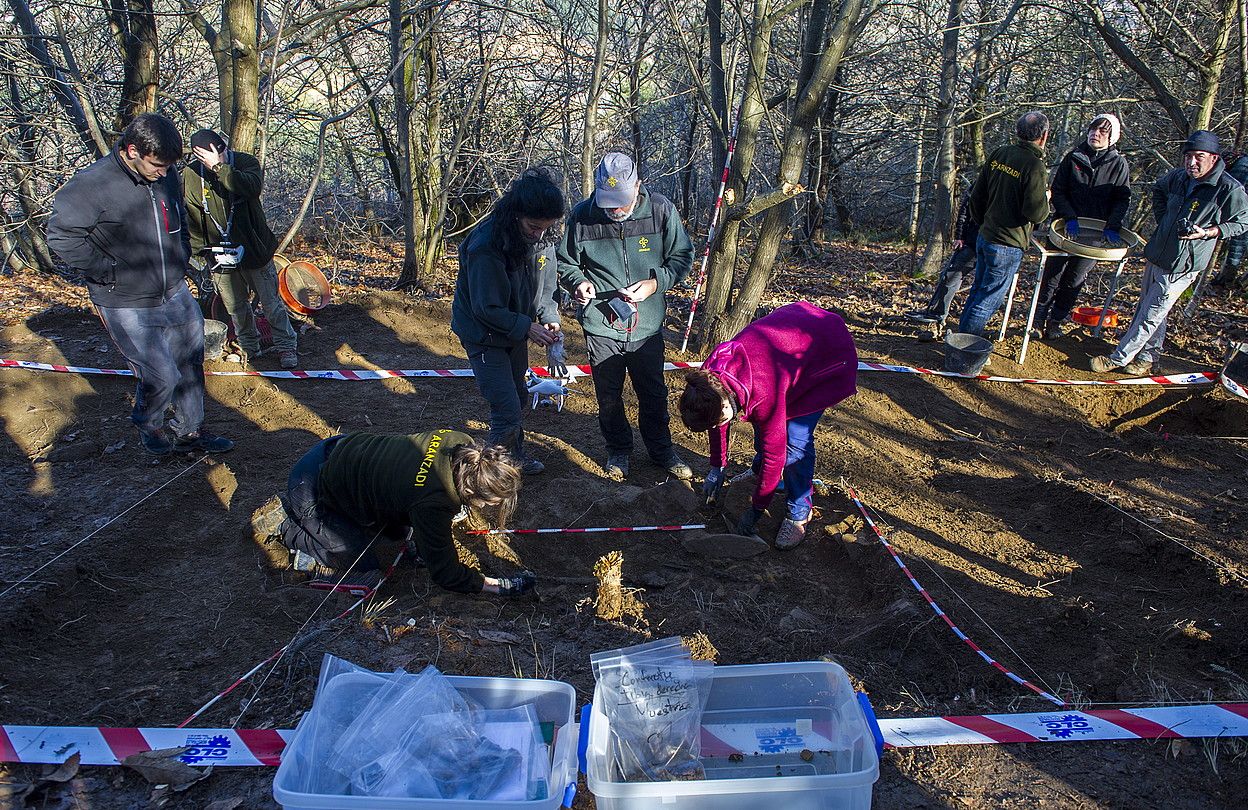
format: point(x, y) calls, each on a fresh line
point(350, 490)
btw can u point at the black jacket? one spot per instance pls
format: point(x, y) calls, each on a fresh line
point(497, 297)
point(1091, 185)
point(126, 235)
point(234, 186)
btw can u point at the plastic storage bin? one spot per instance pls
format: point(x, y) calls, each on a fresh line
point(554, 702)
point(790, 736)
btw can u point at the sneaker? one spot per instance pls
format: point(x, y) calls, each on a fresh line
point(288, 359)
point(676, 467)
point(792, 533)
point(616, 467)
point(1034, 333)
point(267, 520)
point(1102, 364)
point(156, 442)
point(531, 466)
point(920, 316)
point(935, 331)
point(203, 440)
point(1139, 368)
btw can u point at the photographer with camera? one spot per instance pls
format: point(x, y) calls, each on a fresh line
point(1195, 205)
point(230, 235)
point(622, 250)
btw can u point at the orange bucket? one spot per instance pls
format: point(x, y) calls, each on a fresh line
point(1091, 316)
point(303, 287)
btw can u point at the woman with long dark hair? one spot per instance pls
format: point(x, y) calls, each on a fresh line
point(505, 298)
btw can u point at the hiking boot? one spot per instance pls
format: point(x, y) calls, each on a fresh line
point(792, 533)
point(156, 442)
point(920, 316)
point(203, 440)
point(1102, 364)
point(616, 467)
point(1053, 330)
point(676, 468)
point(1139, 368)
point(288, 359)
point(531, 466)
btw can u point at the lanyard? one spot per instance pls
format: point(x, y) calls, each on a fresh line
point(229, 220)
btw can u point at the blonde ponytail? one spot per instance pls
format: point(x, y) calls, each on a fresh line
point(488, 481)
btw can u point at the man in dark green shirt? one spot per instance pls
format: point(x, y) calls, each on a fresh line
point(1009, 197)
point(352, 490)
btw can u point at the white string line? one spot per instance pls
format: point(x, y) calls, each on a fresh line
point(976, 613)
point(1215, 563)
point(110, 522)
point(247, 704)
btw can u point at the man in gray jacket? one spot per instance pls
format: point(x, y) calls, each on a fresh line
point(121, 223)
point(1195, 206)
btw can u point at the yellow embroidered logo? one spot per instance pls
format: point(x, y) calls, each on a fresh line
point(541, 261)
point(643, 245)
point(1010, 170)
point(423, 473)
point(612, 182)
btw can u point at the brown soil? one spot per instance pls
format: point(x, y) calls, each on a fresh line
point(1036, 516)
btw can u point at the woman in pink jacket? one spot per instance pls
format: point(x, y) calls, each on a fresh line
point(779, 374)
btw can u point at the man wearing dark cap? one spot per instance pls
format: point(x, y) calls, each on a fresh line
point(120, 222)
point(623, 248)
point(1194, 206)
point(1009, 198)
point(229, 233)
point(1093, 180)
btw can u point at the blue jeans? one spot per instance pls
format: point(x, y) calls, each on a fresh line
point(164, 347)
point(995, 266)
point(799, 464)
point(499, 374)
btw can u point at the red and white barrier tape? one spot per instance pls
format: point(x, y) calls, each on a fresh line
point(228, 747)
point(678, 528)
point(853, 494)
point(360, 374)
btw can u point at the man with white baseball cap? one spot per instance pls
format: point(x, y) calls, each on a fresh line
point(622, 249)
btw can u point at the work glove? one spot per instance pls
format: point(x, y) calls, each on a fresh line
point(1072, 228)
point(713, 483)
point(557, 360)
point(521, 583)
point(1112, 236)
point(748, 522)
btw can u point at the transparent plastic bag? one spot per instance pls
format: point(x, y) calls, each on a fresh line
point(394, 709)
point(332, 712)
point(653, 696)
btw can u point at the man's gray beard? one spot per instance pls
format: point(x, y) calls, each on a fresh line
point(615, 217)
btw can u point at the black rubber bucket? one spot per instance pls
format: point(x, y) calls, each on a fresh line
point(966, 353)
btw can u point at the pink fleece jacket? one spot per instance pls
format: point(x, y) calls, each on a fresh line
point(794, 362)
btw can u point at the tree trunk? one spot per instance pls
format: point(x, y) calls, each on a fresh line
point(134, 23)
point(591, 103)
point(1243, 75)
point(946, 170)
point(796, 142)
point(240, 82)
point(1211, 75)
point(402, 82)
point(916, 182)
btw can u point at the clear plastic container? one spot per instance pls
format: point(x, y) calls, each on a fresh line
point(773, 735)
point(299, 786)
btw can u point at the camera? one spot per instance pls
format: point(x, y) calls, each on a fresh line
point(226, 254)
point(1187, 227)
point(622, 309)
